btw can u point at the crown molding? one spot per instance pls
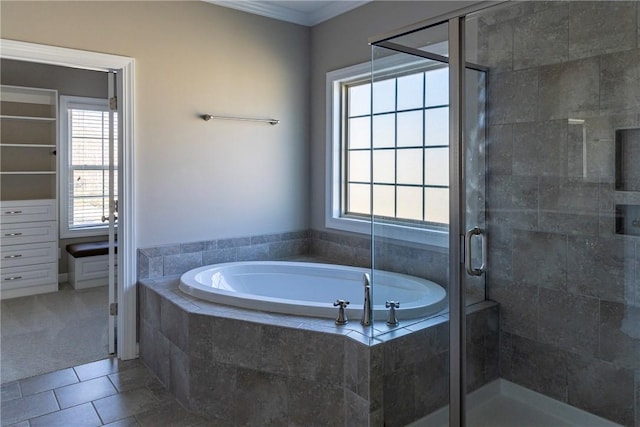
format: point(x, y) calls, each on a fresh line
point(333, 9)
point(275, 11)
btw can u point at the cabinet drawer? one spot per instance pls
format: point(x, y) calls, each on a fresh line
point(34, 253)
point(31, 275)
point(28, 232)
point(27, 211)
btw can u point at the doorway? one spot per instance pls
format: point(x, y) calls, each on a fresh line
point(43, 331)
point(126, 280)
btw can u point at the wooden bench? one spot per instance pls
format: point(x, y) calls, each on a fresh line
point(89, 264)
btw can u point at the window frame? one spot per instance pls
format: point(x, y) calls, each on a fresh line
point(423, 233)
point(79, 102)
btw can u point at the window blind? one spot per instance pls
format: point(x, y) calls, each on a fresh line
point(88, 186)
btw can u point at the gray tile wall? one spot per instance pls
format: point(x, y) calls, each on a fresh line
point(173, 260)
point(248, 368)
point(391, 255)
point(424, 261)
point(567, 285)
point(336, 247)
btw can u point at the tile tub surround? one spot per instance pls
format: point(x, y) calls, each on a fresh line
point(241, 367)
point(329, 246)
point(172, 260)
point(567, 286)
point(391, 255)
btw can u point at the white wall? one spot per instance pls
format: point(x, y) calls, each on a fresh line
point(341, 42)
point(198, 180)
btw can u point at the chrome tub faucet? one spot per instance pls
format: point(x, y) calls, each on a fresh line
point(367, 306)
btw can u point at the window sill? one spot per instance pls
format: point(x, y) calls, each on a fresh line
point(404, 233)
point(85, 232)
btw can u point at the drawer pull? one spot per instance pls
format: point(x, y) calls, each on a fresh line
point(13, 234)
point(13, 256)
point(13, 278)
point(13, 212)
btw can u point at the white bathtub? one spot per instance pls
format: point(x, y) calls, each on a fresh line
point(310, 289)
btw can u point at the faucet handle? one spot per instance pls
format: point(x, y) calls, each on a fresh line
point(392, 305)
point(342, 317)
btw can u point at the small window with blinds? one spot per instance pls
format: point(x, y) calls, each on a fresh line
point(84, 172)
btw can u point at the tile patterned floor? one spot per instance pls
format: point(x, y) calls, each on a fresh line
point(107, 392)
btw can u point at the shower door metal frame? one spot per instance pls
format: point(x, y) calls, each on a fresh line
point(457, 196)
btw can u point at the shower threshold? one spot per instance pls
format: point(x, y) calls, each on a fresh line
point(502, 403)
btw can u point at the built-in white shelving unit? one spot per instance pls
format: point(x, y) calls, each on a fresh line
point(28, 191)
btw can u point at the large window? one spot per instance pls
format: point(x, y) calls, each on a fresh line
point(394, 148)
point(84, 172)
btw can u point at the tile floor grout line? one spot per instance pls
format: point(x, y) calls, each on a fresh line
point(113, 384)
point(98, 413)
point(55, 396)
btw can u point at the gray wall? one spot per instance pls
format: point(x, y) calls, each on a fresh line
point(568, 293)
point(67, 81)
point(198, 180)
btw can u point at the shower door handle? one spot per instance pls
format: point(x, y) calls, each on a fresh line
point(476, 231)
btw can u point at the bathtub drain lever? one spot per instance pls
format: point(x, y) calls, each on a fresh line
point(342, 318)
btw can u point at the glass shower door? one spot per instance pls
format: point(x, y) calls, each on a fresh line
point(564, 195)
point(409, 198)
point(428, 206)
point(561, 146)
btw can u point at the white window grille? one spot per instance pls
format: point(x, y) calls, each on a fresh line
point(394, 147)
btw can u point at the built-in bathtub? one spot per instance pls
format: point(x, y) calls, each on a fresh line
point(310, 289)
point(238, 366)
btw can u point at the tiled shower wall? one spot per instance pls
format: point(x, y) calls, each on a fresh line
point(567, 284)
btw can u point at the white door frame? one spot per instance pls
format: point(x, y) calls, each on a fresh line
point(127, 268)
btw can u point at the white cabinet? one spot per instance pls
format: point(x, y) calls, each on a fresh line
point(28, 211)
point(29, 280)
point(29, 254)
point(28, 191)
point(28, 247)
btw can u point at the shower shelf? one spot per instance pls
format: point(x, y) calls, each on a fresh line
point(627, 184)
point(628, 220)
point(627, 143)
